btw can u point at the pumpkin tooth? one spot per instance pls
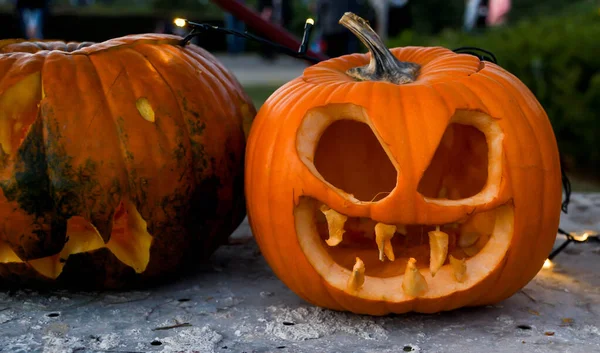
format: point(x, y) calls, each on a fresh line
point(357, 278)
point(413, 284)
point(459, 268)
point(335, 225)
point(438, 244)
point(466, 239)
point(383, 237)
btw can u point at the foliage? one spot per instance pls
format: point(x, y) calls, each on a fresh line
point(432, 16)
point(557, 58)
point(522, 9)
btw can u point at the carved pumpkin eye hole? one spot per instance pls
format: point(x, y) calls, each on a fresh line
point(459, 168)
point(349, 156)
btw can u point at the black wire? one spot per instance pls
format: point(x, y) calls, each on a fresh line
point(474, 51)
point(566, 183)
point(560, 248)
point(203, 28)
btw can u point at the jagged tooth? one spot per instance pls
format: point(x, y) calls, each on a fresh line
point(383, 237)
point(466, 239)
point(335, 225)
point(459, 268)
point(438, 244)
point(357, 278)
point(413, 284)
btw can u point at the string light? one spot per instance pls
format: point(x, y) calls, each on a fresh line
point(180, 22)
point(582, 237)
point(199, 29)
point(306, 36)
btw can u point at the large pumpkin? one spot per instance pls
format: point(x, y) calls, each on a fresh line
point(412, 180)
point(120, 162)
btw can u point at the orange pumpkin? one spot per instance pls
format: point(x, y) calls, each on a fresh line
point(120, 162)
point(412, 180)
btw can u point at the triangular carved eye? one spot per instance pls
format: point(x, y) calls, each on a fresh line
point(350, 157)
point(339, 146)
point(459, 168)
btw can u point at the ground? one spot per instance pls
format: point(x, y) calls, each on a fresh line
point(236, 304)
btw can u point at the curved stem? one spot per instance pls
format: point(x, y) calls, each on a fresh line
point(384, 66)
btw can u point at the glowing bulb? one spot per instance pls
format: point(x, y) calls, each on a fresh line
point(547, 264)
point(180, 22)
point(310, 21)
point(581, 237)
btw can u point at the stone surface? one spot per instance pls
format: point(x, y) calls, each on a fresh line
point(236, 304)
point(263, 72)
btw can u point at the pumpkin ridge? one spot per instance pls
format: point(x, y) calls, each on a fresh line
point(534, 133)
point(208, 69)
point(485, 82)
point(182, 124)
point(175, 199)
point(214, 69)
point(117, 128)
point(233, 88)
point(93, 50)
point(192, 128)
point(276, 130)
point(90, 48)
point(104, 227)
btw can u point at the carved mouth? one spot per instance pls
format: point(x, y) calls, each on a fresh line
point(401, 261)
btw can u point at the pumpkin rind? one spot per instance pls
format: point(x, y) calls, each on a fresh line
point(411, 118)
point(82, 146)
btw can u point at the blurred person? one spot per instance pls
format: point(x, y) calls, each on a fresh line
point(336, 39)
point(476, 12)
point(32, 14)
point(235, 44)
point(497, 12)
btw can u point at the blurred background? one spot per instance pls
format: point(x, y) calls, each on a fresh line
point(553, 46)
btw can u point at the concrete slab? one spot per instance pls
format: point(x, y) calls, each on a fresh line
point(236, 304)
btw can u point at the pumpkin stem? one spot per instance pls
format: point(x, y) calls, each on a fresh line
point(384, 66)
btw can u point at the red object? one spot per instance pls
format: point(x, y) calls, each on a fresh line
point(267, 29)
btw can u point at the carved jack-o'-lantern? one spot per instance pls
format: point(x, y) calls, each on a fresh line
point(423, 180)
point(120, 161)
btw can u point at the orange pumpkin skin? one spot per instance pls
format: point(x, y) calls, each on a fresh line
point(411, 119)
point(121, 161)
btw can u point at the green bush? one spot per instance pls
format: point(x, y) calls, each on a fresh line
point(558, 59)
